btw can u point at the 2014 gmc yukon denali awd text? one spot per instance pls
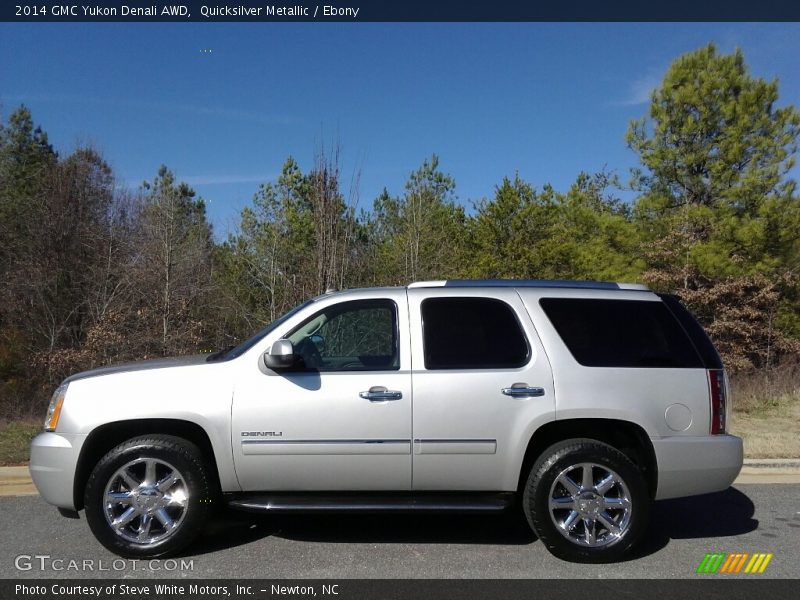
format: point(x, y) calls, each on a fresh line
point(581, 401)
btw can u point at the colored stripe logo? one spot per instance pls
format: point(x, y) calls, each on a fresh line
point(740, 562)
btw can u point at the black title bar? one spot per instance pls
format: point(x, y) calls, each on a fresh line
point(403, 11)
point(708, 588)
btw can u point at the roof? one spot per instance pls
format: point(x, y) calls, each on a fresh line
point(540, 283)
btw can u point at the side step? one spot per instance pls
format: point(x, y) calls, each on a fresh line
point(290, 503)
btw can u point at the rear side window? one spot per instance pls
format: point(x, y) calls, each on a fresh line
point(621, 333)
point(472, 333)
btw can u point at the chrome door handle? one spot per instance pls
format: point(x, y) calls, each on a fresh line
point(522, 390)
point(378, 393)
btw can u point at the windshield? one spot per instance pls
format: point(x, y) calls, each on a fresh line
point(237, 351)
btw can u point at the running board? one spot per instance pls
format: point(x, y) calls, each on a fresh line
point(289, 503)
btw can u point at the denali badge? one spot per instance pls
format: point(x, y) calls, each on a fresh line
point(262, 433)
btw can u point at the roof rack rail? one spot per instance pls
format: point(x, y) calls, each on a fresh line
point(547, 283)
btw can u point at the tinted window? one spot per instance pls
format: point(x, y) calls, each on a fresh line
point(351, 336)
point(621, 333)
point(700, 339)
point(472, 333)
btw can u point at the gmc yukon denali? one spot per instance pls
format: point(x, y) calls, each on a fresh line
point(581, 402)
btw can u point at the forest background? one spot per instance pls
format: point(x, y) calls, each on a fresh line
point(95, 273)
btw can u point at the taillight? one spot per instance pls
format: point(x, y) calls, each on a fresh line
point(719, 400)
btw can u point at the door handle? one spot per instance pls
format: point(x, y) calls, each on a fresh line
point(522, 390)
point(378, 393)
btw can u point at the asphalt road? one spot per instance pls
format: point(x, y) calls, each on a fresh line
point(747, 518)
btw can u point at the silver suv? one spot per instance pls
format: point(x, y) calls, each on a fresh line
point(580, 401)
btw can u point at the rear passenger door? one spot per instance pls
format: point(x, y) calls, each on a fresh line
point(482, 383)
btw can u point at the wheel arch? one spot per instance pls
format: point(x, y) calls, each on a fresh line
point(105, 437)
point(627, 437)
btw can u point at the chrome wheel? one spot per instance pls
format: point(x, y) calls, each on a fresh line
point(145, 501)
point(590, 505)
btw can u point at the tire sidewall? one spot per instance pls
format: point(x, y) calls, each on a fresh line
point(185, 457)
point(536, 498)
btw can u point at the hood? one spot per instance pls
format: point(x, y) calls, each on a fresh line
point(142, 365)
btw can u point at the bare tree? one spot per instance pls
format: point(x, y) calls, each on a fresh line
point(172, 264)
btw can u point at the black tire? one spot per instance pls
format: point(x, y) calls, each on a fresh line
point(196, 488)
point(573, 545)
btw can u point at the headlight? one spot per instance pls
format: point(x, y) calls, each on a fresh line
point(54, 410)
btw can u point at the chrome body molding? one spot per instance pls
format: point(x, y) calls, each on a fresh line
point(325, 447)
point(343, 447)
point(455, 446)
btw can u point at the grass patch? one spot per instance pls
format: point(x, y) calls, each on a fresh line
point(15, 441)
point(767, 393)
point(766, 412)
point(769, 435)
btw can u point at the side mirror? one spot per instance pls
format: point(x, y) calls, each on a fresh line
point(280, 355)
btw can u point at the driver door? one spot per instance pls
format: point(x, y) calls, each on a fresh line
point(341, 418)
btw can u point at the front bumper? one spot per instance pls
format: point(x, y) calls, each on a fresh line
point(54, 460)
point(691, 465)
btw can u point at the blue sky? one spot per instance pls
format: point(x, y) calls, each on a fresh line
point(544, 100)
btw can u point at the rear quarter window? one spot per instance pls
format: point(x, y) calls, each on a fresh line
point(695, 331)
point(621, 333)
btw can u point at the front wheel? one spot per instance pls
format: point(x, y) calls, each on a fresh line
point(586, 501)
point(149, 496)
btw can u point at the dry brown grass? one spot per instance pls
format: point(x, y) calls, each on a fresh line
point(765, 392)
point(769, 436)
point(766, 412)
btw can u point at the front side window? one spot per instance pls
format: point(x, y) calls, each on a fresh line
point(472, 333)
point(351, 336)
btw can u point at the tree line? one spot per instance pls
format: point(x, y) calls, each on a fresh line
point(93, 273)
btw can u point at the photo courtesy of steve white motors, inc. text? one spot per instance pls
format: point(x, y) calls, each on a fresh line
point(132, 590)
point(140, 590)
point(181, 10)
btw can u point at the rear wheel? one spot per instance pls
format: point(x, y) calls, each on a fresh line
point(149, 496)
point(586, 501)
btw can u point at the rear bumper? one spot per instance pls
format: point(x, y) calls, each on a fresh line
point(54, 458)
point(689, 465)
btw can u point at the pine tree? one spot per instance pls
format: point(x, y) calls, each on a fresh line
point(718, 207)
